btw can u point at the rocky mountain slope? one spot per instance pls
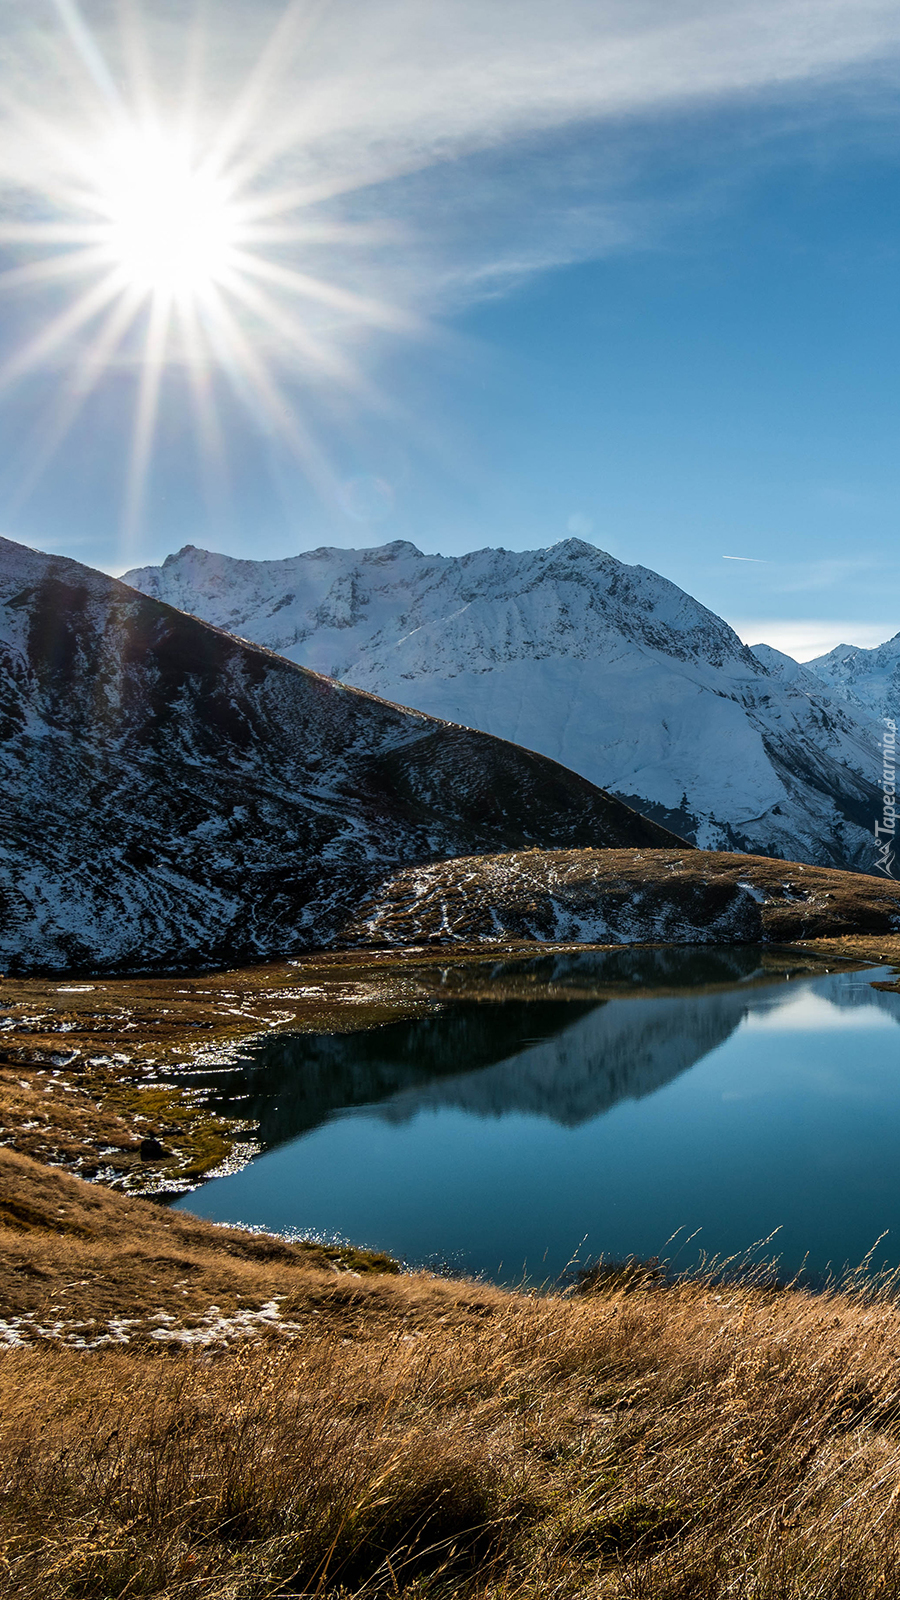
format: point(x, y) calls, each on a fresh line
point(171, 795)
point(622, 897)
point(607, 668)
point(866, 680)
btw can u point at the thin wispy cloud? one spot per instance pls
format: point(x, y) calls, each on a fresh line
point(380, 162)
point(354, 93)
point(440, 123)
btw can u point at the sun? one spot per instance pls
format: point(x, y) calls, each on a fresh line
point(171, 241)
point(167, 224)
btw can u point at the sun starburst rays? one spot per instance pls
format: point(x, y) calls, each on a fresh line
point(163, 243)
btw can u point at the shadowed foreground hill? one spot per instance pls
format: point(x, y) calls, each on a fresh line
point(170, 795)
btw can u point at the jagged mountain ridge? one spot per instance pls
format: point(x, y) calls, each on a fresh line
point(866, 680)
point(608, 668)
point(173, 796)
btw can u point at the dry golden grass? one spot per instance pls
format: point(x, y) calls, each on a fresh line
point(409, 1436)
point(200, 1414)
point(75, 1257)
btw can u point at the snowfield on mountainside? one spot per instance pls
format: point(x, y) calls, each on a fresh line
point(607, 668)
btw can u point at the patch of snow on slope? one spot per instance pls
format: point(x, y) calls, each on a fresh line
point(609, 669)
point(865, 679)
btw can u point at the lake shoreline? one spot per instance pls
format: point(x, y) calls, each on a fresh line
point(93, 1068)
point(165, 1379)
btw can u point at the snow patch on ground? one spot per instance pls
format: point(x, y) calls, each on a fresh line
point(211, 1328)
point(555, 897)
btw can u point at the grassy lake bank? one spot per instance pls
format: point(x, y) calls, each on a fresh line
point(189, 1410)
point(91, 1067)
point(242, 1417)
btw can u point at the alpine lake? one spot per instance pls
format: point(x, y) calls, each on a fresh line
point(689, 1103)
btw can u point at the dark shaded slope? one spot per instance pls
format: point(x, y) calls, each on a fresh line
point(172, 795)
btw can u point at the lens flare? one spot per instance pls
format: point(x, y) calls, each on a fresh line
point(166, 223)
point(166, 237)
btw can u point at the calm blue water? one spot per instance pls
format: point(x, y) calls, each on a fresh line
point(507, 1136)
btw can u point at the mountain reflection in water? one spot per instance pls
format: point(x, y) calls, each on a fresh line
point(499, 1046)
point(608, 1097)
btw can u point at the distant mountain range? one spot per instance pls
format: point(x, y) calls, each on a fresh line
point(867, 680)
point(609, 669)
point(173, 796)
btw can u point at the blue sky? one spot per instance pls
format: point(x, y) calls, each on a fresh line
point(623, 271)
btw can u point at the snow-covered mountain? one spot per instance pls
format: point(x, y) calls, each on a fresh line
point(607, 668)
point(170, 795)
point(866, 680)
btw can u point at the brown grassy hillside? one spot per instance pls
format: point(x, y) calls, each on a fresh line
point(253, 1421)
point(633, 895)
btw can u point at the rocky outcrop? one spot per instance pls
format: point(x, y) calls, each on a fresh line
point(622, 897)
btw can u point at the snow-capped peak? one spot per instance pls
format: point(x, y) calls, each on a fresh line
point(867, 679)
point(609, 668)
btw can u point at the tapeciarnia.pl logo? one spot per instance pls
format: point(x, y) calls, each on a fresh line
point(887, 827)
